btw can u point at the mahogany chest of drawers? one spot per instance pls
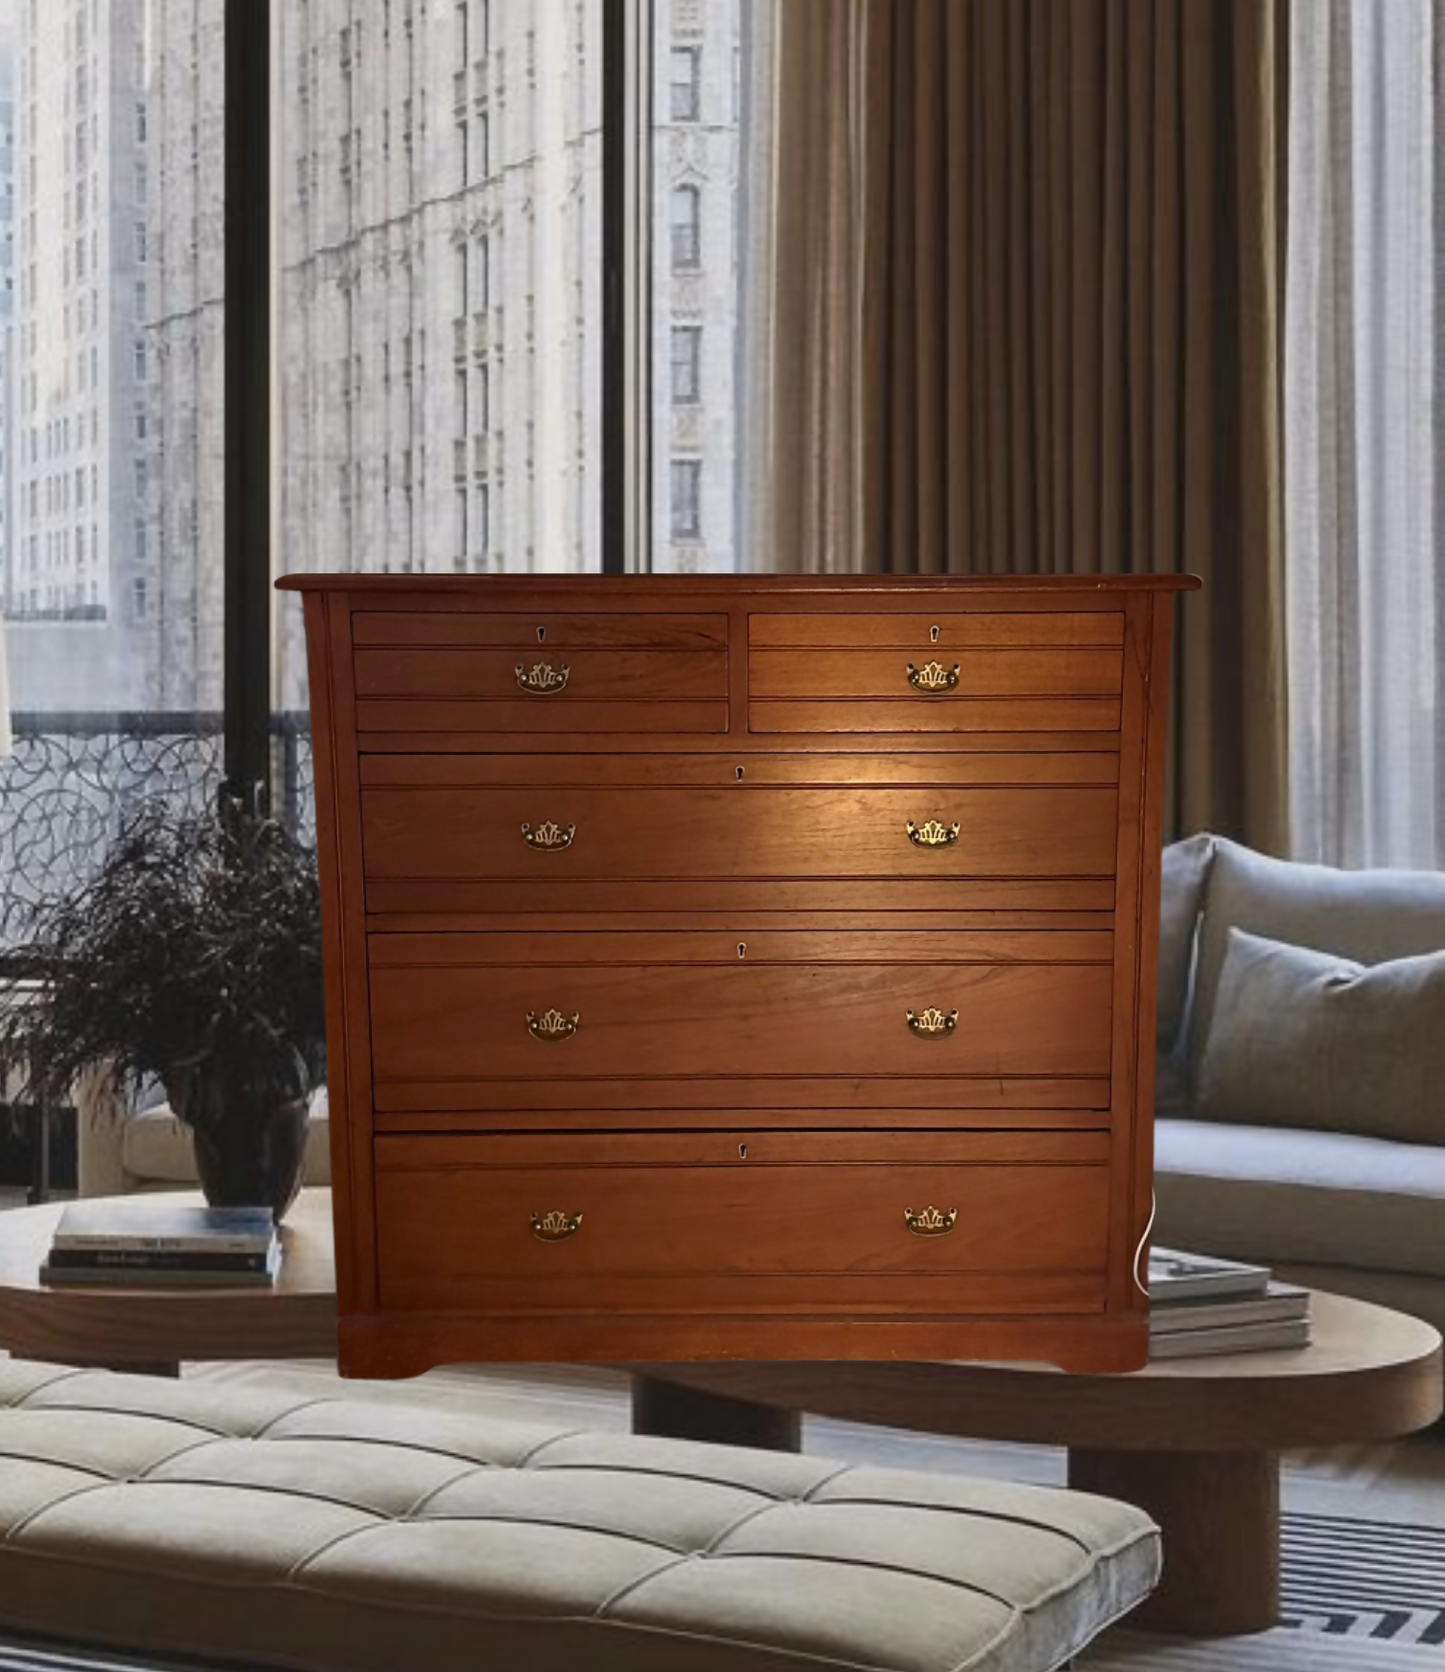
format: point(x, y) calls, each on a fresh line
point(739, 967)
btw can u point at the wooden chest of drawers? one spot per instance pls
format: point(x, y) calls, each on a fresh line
point(739, 967)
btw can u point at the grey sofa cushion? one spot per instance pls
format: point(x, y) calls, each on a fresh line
point(258, 1526)
point(1311, 1039)
point(1286, 1196)
point(1370, 916)
point(1183, 875)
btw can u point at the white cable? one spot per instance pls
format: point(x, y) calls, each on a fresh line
point(1143, 1288)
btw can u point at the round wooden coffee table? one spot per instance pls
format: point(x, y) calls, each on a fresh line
point(1195, 1442)
point(156, 1328)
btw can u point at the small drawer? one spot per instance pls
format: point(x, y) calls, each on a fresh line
point(929, 678)
point(554, 677)
point(940, 632)
point(539, 688)
point(568, 834)
point(452, 1008)
point(537, 631)
point(745, 1221)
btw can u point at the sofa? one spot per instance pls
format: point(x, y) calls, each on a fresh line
point(121, 1148)
point(1300, 1097)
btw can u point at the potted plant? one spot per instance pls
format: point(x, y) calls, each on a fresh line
point(192, 957)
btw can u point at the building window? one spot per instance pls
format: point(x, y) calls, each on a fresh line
point(685, 83)
point(686, 228)
point(686, 364)
point(687, 499)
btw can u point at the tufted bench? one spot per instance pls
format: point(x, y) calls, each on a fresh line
point(264, 1528)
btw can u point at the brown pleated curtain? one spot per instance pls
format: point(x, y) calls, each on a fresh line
point(1056, 346)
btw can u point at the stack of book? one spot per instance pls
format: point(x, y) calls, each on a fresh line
point(1200, 1305)
point(136, 1240)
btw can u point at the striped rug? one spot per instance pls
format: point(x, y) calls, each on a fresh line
point(1365, 1579)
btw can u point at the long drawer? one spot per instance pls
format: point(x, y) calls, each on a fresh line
point(745, 1221)
point(570, 834)
point(455, 1010)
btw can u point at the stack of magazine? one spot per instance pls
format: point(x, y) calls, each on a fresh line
point(144, 1240)
point(1200, 1305)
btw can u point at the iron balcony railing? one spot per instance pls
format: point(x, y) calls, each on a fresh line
point(72, 780)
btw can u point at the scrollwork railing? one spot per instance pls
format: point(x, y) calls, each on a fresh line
point(72, 780)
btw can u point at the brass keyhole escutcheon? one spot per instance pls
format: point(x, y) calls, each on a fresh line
point(542, 634)
point(740, 774)
point(742, 949)
point(933, 635)
point(743, 1151)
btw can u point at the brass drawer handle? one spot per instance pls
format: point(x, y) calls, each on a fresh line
point(932, 1023)
point(552, 1024)
point(542, 679)
point(933, 676)
point(932, 833)
point(931, 1222)
point(555, 1226)
point(549, 837)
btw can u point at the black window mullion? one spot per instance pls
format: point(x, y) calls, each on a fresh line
point(246, 414)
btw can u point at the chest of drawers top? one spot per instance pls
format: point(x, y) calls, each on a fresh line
point(555, 663)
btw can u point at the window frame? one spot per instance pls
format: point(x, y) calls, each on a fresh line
point(248, 440)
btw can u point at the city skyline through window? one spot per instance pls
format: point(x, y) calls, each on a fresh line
point(437, 366)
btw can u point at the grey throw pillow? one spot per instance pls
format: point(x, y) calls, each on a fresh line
point(1369, 915)
point(1310, 1039)
point(1181, 893)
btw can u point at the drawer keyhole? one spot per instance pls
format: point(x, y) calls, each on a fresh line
point(933, 635)
point(743, 1151)
point(740, 774)
point(542, 634)
point(742, 949)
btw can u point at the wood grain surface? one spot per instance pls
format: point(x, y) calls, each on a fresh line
point(451, 1021)
point(1369, 1374)
point(923, 714)
point(756, 770)
point(980, 673)
point(941, 631)
point(540, 631)
point(741, 924)
point(645, 675)
point(658, 833)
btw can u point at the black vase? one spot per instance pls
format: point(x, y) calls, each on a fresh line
point(249, 1140)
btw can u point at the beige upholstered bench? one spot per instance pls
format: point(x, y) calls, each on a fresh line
point(263, 1528)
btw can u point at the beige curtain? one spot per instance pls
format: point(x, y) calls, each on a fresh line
point(805, 151)
point(1034, 321)
point(1365, 453)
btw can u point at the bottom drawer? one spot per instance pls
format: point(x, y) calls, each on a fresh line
point(745, 1221)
